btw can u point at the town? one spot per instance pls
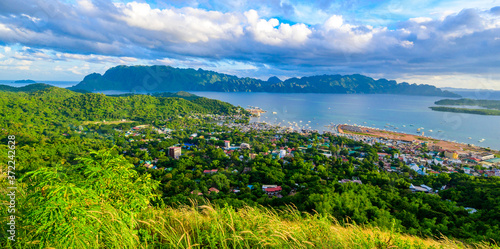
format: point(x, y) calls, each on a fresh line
point(161, 148)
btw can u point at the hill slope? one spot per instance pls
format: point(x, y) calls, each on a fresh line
point(166, 78)
point(102, 202)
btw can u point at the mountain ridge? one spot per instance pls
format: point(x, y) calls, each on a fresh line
point(167, 78)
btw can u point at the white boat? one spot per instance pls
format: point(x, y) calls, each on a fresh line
point(482, 140)
point(275, 113)
point(430, 130)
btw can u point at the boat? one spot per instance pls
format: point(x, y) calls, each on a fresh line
point(418, 129)
point(482, 140)
point(275, 113)
point(430, 131)
point(469, 138)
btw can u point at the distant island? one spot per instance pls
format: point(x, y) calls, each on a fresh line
point(25, 81)
point(28, 88)
point(492, 106)
point(166, 78)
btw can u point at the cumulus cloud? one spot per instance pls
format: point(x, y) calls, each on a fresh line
point(181, 25)
point(272, 32)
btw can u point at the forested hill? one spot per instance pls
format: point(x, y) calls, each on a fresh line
point(54, 105)
point(166, 78)
point(27, 88)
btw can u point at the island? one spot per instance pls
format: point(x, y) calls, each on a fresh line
point(166, 78)
point(487, 107)
point(24, 81)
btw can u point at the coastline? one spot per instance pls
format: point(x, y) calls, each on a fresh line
point(405, 137)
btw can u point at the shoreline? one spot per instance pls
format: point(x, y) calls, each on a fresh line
point(405, 137)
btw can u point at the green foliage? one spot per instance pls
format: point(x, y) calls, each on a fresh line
point(87, 205)
point(27, 88)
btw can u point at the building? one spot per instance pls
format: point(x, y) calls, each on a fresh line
point(282, 153)
point(252, 155)
point(273, 191)
point(227, 143)
point(451, 154)
point(421, 188)
point(436, 147)
point(244, 146)
point(210, 190)
point(210, 171)
point(487, 156)
point(174, 152)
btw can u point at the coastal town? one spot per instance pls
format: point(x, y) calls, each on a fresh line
point(415, 156)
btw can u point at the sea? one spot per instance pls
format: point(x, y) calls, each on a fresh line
point(400, 113)
point(63, 84)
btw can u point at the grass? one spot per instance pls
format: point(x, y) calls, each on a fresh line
point(210, 227)
point(207, 226)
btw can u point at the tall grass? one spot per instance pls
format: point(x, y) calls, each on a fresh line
point(224, 227)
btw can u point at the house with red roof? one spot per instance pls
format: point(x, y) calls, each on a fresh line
point(210, 190)
point(273, 191)
point(210, 171)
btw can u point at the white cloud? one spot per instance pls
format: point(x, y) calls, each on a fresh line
point(87, 5)
point(272, 32)
point(347, 38)
point(407, 44)
point(182, 25)
point(420, 19)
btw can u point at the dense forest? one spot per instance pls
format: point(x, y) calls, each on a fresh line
point(166, 78)
point(83, 183)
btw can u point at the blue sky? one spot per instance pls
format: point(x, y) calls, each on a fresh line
point(452, 43)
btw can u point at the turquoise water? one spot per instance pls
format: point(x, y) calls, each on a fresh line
point(383, 111)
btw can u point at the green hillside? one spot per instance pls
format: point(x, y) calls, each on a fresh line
point(100, 201)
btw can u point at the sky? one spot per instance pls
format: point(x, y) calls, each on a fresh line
point(451, 43)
